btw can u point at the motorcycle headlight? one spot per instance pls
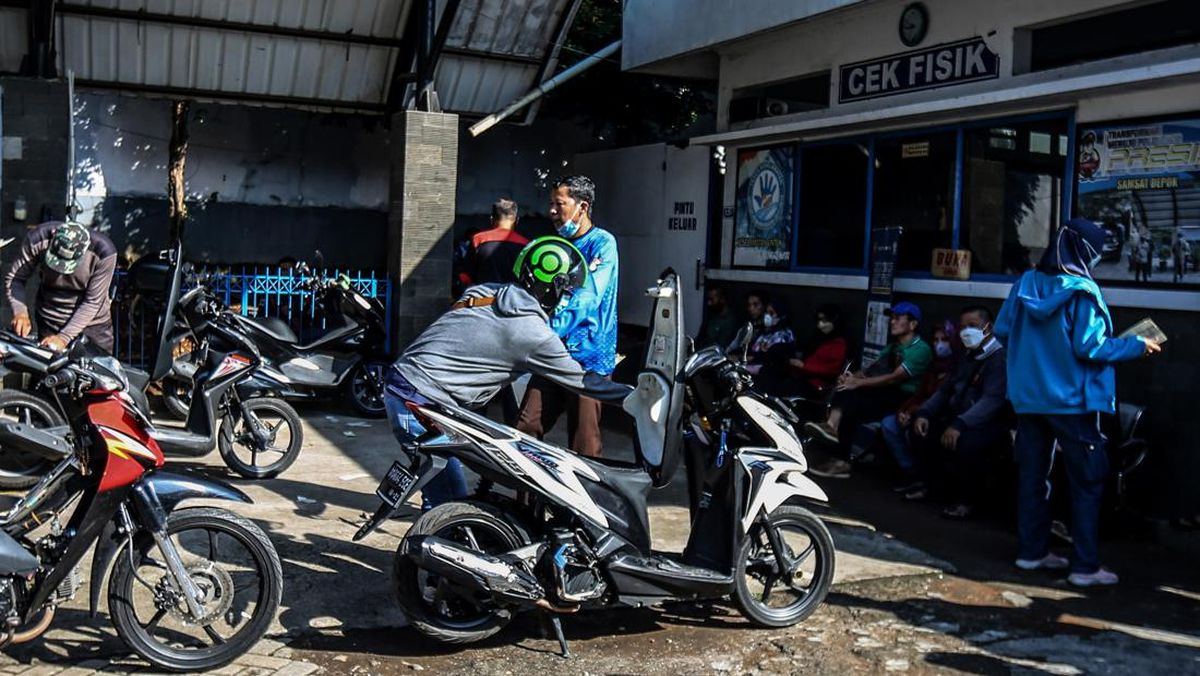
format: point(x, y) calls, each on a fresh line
point(108, 374)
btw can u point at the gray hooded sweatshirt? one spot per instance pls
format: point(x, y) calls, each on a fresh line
point(467, 355)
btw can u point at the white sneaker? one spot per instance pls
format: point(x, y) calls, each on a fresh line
point(1100, 578)
point(1047, 562)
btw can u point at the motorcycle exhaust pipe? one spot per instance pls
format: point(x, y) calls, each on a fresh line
point(474, 570)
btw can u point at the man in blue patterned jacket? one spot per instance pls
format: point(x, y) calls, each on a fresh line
point(587, 323)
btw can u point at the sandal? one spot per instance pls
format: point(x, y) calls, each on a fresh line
point(1187, 522)
point(957, 512)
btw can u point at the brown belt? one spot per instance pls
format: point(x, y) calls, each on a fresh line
point(473, 301)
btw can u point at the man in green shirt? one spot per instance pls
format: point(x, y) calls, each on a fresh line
point(876, 391)
point(721, 323)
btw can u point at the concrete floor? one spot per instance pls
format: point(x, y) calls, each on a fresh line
point(950, 603)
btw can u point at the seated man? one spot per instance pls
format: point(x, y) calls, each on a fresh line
point(489, 337)
point(876, 391)
point(968, 415)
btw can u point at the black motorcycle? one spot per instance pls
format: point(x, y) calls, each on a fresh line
point(189, 589)
point(350, 357)
point(231, 408)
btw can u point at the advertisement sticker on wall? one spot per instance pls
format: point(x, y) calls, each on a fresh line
point(1138, 180)
point(763, 222)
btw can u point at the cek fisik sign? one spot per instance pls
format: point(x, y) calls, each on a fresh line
point(938, 66)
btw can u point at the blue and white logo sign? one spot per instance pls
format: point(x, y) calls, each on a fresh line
point(766, 195)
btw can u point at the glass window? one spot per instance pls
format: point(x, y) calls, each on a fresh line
point(1012, 193)
point(833, 198)
point(914, 188)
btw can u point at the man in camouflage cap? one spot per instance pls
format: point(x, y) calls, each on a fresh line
point(76, 270)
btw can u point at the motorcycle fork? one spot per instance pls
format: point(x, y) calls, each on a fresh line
point(154, 521)
point(786, 563)
point(234, 407)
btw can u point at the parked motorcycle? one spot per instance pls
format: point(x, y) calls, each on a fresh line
point(580, 538)
point(350, 357)
point(258, 435)
point(189, 589)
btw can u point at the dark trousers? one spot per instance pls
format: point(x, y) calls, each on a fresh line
point(959, 473)
point(864, 405)
point(1086, 461)
point(545, 403)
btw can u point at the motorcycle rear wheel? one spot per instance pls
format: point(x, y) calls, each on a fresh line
point(431, 604)
point(364, 388)
point(17, 469)
point(230, 559)
point(771, 599)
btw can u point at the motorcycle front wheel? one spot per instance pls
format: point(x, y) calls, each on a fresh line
point(243, 452)
point(234, 566)
point(769, 596)
point(19, 469)
point(437, 607)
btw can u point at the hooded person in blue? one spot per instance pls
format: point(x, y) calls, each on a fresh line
point(1061, 351)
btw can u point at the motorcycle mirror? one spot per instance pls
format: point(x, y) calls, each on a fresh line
point(319, 258)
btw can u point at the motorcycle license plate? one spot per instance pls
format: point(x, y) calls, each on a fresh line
point(395, 485)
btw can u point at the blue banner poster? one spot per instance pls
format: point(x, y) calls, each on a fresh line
point(885, 247)
point(1141, 183)
point(763, 223)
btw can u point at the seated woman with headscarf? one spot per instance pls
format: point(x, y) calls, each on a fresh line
point(773, 344)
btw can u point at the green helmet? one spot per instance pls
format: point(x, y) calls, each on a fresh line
point(549, 268)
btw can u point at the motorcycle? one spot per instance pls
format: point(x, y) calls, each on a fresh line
point(231, 409)
point(579, 536)
point(188, 589)
point(351, 356)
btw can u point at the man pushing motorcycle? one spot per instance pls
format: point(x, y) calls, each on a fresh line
point(490, 336)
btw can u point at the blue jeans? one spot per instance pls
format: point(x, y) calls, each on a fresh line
point(895, 438)
point(451, 483)
point(1086, 461)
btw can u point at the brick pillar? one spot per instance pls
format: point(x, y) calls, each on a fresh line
point(424, 175)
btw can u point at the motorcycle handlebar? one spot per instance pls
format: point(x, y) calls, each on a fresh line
point(58, 379)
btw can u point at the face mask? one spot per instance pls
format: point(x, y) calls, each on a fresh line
point(825, 327)
point(571, 227)
point(942, 348)
point(972, 337)
point(769, 321)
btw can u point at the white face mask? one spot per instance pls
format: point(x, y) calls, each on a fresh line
point(972, 337)
point(942, 348)
point(825, 327)
point(769, 320)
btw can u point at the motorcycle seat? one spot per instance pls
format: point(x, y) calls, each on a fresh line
point(274, 327)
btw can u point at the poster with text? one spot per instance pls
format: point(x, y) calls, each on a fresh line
point(1141, 183)
point(763, 223)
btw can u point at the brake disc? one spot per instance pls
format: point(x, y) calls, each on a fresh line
point(215, 585)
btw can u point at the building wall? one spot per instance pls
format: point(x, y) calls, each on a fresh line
point(693, 26)
point(262, 183)
point(869, 31)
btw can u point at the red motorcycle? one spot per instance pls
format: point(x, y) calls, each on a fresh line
point(189, 589)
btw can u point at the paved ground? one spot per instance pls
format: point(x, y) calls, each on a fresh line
point(950, 603)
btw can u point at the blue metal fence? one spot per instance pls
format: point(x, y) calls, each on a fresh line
point(265, 292)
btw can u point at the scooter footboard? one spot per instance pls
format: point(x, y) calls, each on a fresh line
point(773, 482)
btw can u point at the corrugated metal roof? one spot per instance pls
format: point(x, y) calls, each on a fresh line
point(494, 51)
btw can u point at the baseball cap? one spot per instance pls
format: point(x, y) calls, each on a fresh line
point(904, 308)
point(67, 246)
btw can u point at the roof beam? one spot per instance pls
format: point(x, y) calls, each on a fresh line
point(222, 95)
point(72, 9)
point(493, 56)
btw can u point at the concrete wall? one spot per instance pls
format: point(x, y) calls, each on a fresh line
point(653, 31)
point(34, 124)
point(263, 183)
point(869, 31)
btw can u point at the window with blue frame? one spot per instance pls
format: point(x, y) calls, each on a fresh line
point(1012, 192)
point(914, 189)
point(832, 206)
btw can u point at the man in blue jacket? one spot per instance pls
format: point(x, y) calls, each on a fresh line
point(1061, 351)
point(587, 323)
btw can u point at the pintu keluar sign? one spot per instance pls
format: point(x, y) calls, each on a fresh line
point(938, 66)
